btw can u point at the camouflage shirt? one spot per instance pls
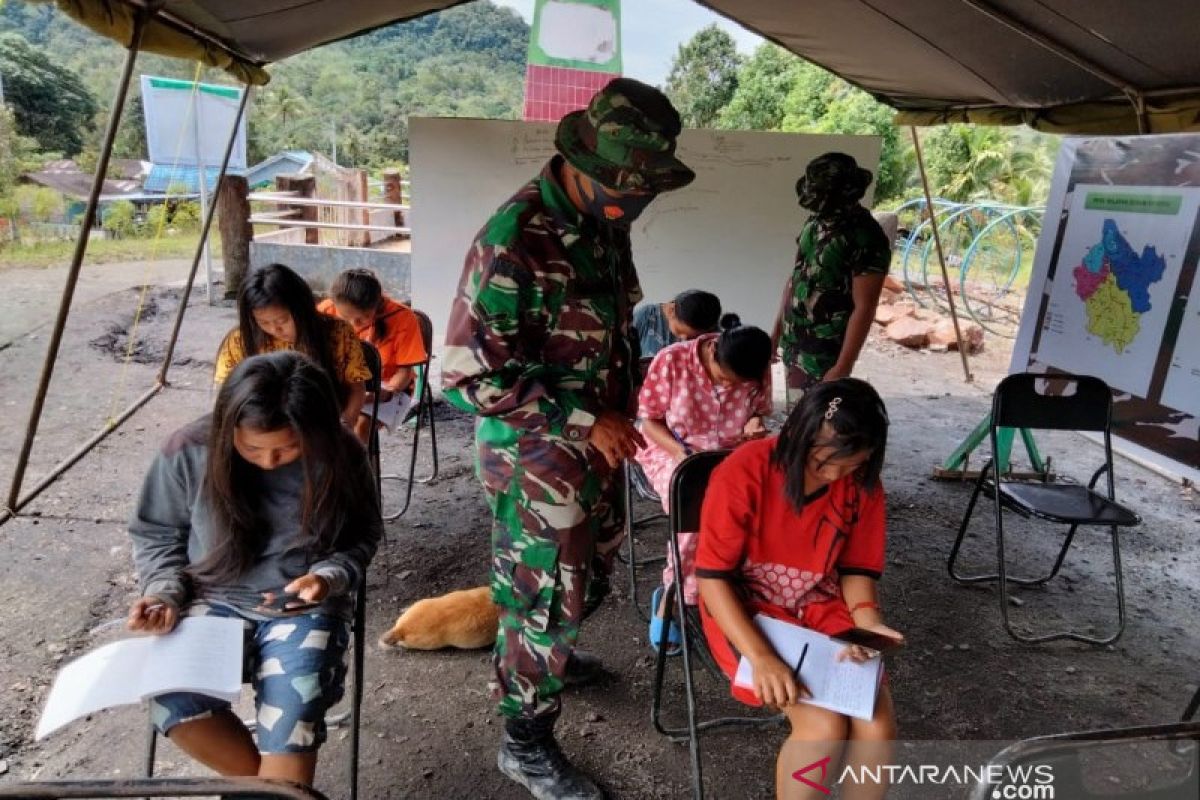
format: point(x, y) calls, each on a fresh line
point(539, 338)
point(831, 253)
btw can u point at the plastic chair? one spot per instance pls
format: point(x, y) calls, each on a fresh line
point(688, 484)
point(254, 788)
point(1019, 403)
point(424, 410)
point(358, 627)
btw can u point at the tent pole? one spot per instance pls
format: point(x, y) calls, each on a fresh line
point(11, 511)
point(937, 241)
point(89, 219)
point(209, 213)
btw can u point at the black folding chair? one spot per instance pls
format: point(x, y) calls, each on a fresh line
point(688, 484)
point(1020, 401)
point(423, 397)
point(1074, 765)
point(255, 788)
point(358, 628)
point(637, 484)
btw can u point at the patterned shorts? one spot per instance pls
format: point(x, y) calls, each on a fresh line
point(297, 669)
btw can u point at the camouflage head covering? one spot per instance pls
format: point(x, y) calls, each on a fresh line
point(625, 139)
point(832, 182)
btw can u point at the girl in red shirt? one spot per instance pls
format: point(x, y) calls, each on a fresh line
point(793, 528)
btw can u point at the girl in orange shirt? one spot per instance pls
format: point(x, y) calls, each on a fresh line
point(357, 297)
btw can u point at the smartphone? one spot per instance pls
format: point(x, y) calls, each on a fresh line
point(869, 639)
point(287, 602)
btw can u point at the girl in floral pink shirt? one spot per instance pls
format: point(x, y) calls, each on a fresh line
point(704, 394)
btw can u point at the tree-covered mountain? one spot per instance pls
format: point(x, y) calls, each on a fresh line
point(465, 61)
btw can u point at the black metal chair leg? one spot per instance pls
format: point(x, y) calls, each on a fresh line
point(962, 529)
point(432, 435)
point(151, 750)
point(360, 628)
point(688, 684)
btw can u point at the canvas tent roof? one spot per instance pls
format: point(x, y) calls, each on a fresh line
point(1062, 65)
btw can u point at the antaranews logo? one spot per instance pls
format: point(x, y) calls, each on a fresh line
point(802, 775)
point(1008, 783)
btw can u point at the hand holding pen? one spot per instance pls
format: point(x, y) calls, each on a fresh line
point(152, 615)
point(776, 682)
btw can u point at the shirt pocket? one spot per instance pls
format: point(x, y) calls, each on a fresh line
point(580, 335)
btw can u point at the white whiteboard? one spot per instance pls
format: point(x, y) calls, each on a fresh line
point(732, 231)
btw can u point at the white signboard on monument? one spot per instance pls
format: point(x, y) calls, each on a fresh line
point(188, 124)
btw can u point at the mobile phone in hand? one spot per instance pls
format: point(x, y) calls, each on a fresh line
point(869, 639)
point(287, 602)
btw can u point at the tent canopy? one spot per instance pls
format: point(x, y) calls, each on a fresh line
point(1083, 66)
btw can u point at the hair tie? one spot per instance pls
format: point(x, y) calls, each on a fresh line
point(832, 409)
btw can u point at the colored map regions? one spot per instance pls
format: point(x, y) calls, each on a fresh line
point(1114, 283)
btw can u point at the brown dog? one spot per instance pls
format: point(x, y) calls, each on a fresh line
point(466, 619)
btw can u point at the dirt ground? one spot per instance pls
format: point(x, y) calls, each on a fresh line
point(428, 727)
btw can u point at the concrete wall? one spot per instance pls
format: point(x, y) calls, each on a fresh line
point(320, 264)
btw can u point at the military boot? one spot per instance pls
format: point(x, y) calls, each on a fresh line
point(530, 756)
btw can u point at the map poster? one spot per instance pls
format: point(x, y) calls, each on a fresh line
point(1114, 290)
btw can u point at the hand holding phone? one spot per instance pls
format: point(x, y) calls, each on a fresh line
point(285, 603)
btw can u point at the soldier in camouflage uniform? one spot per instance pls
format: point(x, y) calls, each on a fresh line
point(540, 347)
point(841, 261)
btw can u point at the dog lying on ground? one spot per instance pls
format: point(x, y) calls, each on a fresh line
point(466, 619)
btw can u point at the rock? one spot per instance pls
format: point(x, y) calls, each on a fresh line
point(1071, 670)
point(886, 315)
point(942, 335)
point(964, 646)
point(909, 331)
point(926, 314)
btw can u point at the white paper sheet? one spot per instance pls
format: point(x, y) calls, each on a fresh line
point(202, 655)
point(841, 686)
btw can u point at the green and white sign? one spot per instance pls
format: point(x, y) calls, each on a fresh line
point(577, 34)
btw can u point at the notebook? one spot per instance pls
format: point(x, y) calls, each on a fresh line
point(202, 655)
point(842, 686)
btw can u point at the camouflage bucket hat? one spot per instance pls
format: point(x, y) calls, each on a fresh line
point(833, 177)
point(625, 139)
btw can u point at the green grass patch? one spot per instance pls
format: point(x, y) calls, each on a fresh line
point(14, 255)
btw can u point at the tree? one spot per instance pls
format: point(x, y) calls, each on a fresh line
point(49, 101)
point(763, 83)
point(704, 76)
point(971, 162)
point(120, 219)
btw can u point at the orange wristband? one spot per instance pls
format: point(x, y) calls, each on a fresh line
point(864, 604)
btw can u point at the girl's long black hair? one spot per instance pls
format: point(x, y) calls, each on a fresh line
point(361, 289)
point(743, 349)
point(268, 393)
point(857, 421)
point(277, 285)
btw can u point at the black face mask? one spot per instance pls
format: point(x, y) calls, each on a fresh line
point(820, 200)
point(616, 212)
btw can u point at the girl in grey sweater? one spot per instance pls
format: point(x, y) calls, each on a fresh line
point(266, 512)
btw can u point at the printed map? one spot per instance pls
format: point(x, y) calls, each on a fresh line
point(1113, 281)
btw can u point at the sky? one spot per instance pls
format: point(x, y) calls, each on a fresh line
point(652, 31)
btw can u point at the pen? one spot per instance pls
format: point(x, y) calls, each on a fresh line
point(800, 661)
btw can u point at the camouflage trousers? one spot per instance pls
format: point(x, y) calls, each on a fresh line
point(799, 381)
point(553, 544)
